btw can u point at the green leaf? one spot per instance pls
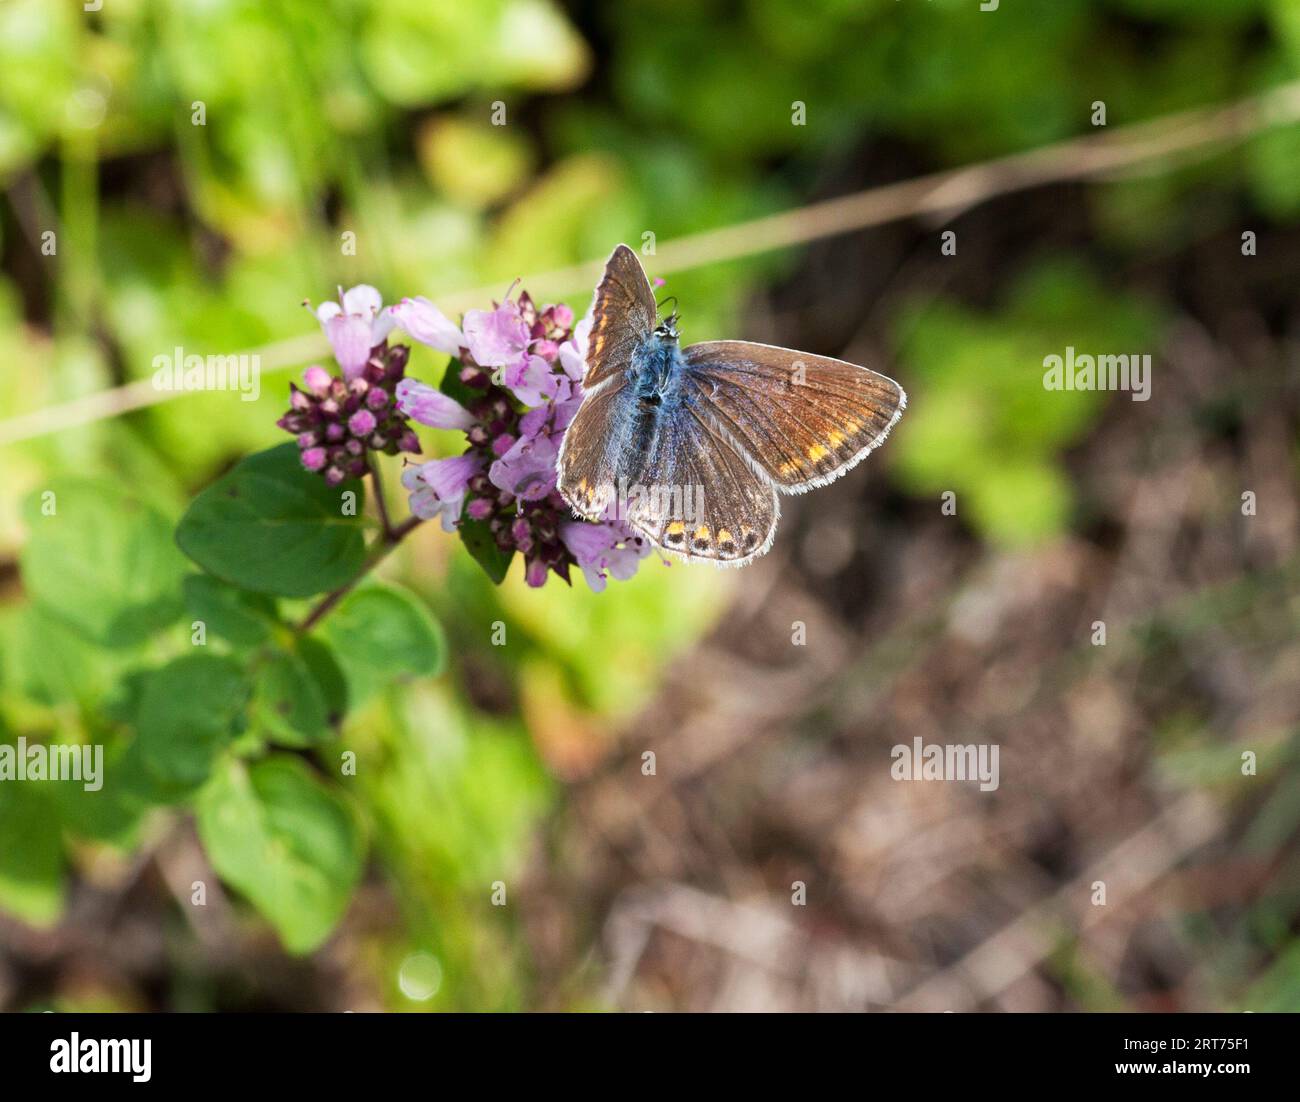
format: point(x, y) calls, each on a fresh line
point(31, 854)
point(243, 618)
point(379, 633)
point(110, 814)
point(102, 561)
point(272, 527)
point(188, 711)
point(482, 546)
point(44, 658)
point(284, 840)
point(288, 705)
point(328, 675)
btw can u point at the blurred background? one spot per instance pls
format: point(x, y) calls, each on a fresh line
point(522, 764)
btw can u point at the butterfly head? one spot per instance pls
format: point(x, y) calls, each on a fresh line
point(666, 330)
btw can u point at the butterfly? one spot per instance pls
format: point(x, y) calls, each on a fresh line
point(692, 446)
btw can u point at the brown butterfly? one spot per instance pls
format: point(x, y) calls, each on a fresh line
point(692, 446)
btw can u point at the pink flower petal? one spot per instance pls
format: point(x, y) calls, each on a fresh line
point(424, 322)
point(431, 407)
point(350, 338)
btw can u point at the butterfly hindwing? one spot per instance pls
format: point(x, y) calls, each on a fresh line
point(702, 499)
point(803, 419)
point(669, 474)
point(622, 315)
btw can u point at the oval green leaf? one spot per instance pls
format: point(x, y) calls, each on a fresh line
point(272, 527)
point(284, 840)
point(382, 632)
point(102, 561)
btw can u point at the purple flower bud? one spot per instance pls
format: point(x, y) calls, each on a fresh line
point(475, 377)
point(547, 349)
point(377, 398)
point(527, 308)
point(478, 435)
point(334, 432)
point(535, 574)
point(361, 423)
point(313, 458)
point(522, 533)
point(317, 379)
point(334, 476)
point(502, 444)
point(308, 440)
point(297, 399)
point(398, 354)
point(480, 508)
point(354, 447)
point(561, 315)
point(409, 442)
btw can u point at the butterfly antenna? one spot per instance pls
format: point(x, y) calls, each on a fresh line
point(673, 300)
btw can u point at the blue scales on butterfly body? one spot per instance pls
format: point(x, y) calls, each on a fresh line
point(644, 436)
point(656, 368)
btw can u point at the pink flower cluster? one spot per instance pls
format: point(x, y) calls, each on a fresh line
point(523, 367)
point(337, 420)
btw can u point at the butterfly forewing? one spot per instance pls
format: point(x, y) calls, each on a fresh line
point(589, 455)
point(803, 419)
point(622, 315)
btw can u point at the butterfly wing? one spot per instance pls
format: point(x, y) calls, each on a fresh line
point(706, 501)
point(623, 314)
point(803, 419)
point(591, 451)
point(671, 475)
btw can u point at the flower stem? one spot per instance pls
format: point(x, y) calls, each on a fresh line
point(378, 552)
point(380, 504)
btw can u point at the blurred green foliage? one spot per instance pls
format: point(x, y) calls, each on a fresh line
point(200, 162)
